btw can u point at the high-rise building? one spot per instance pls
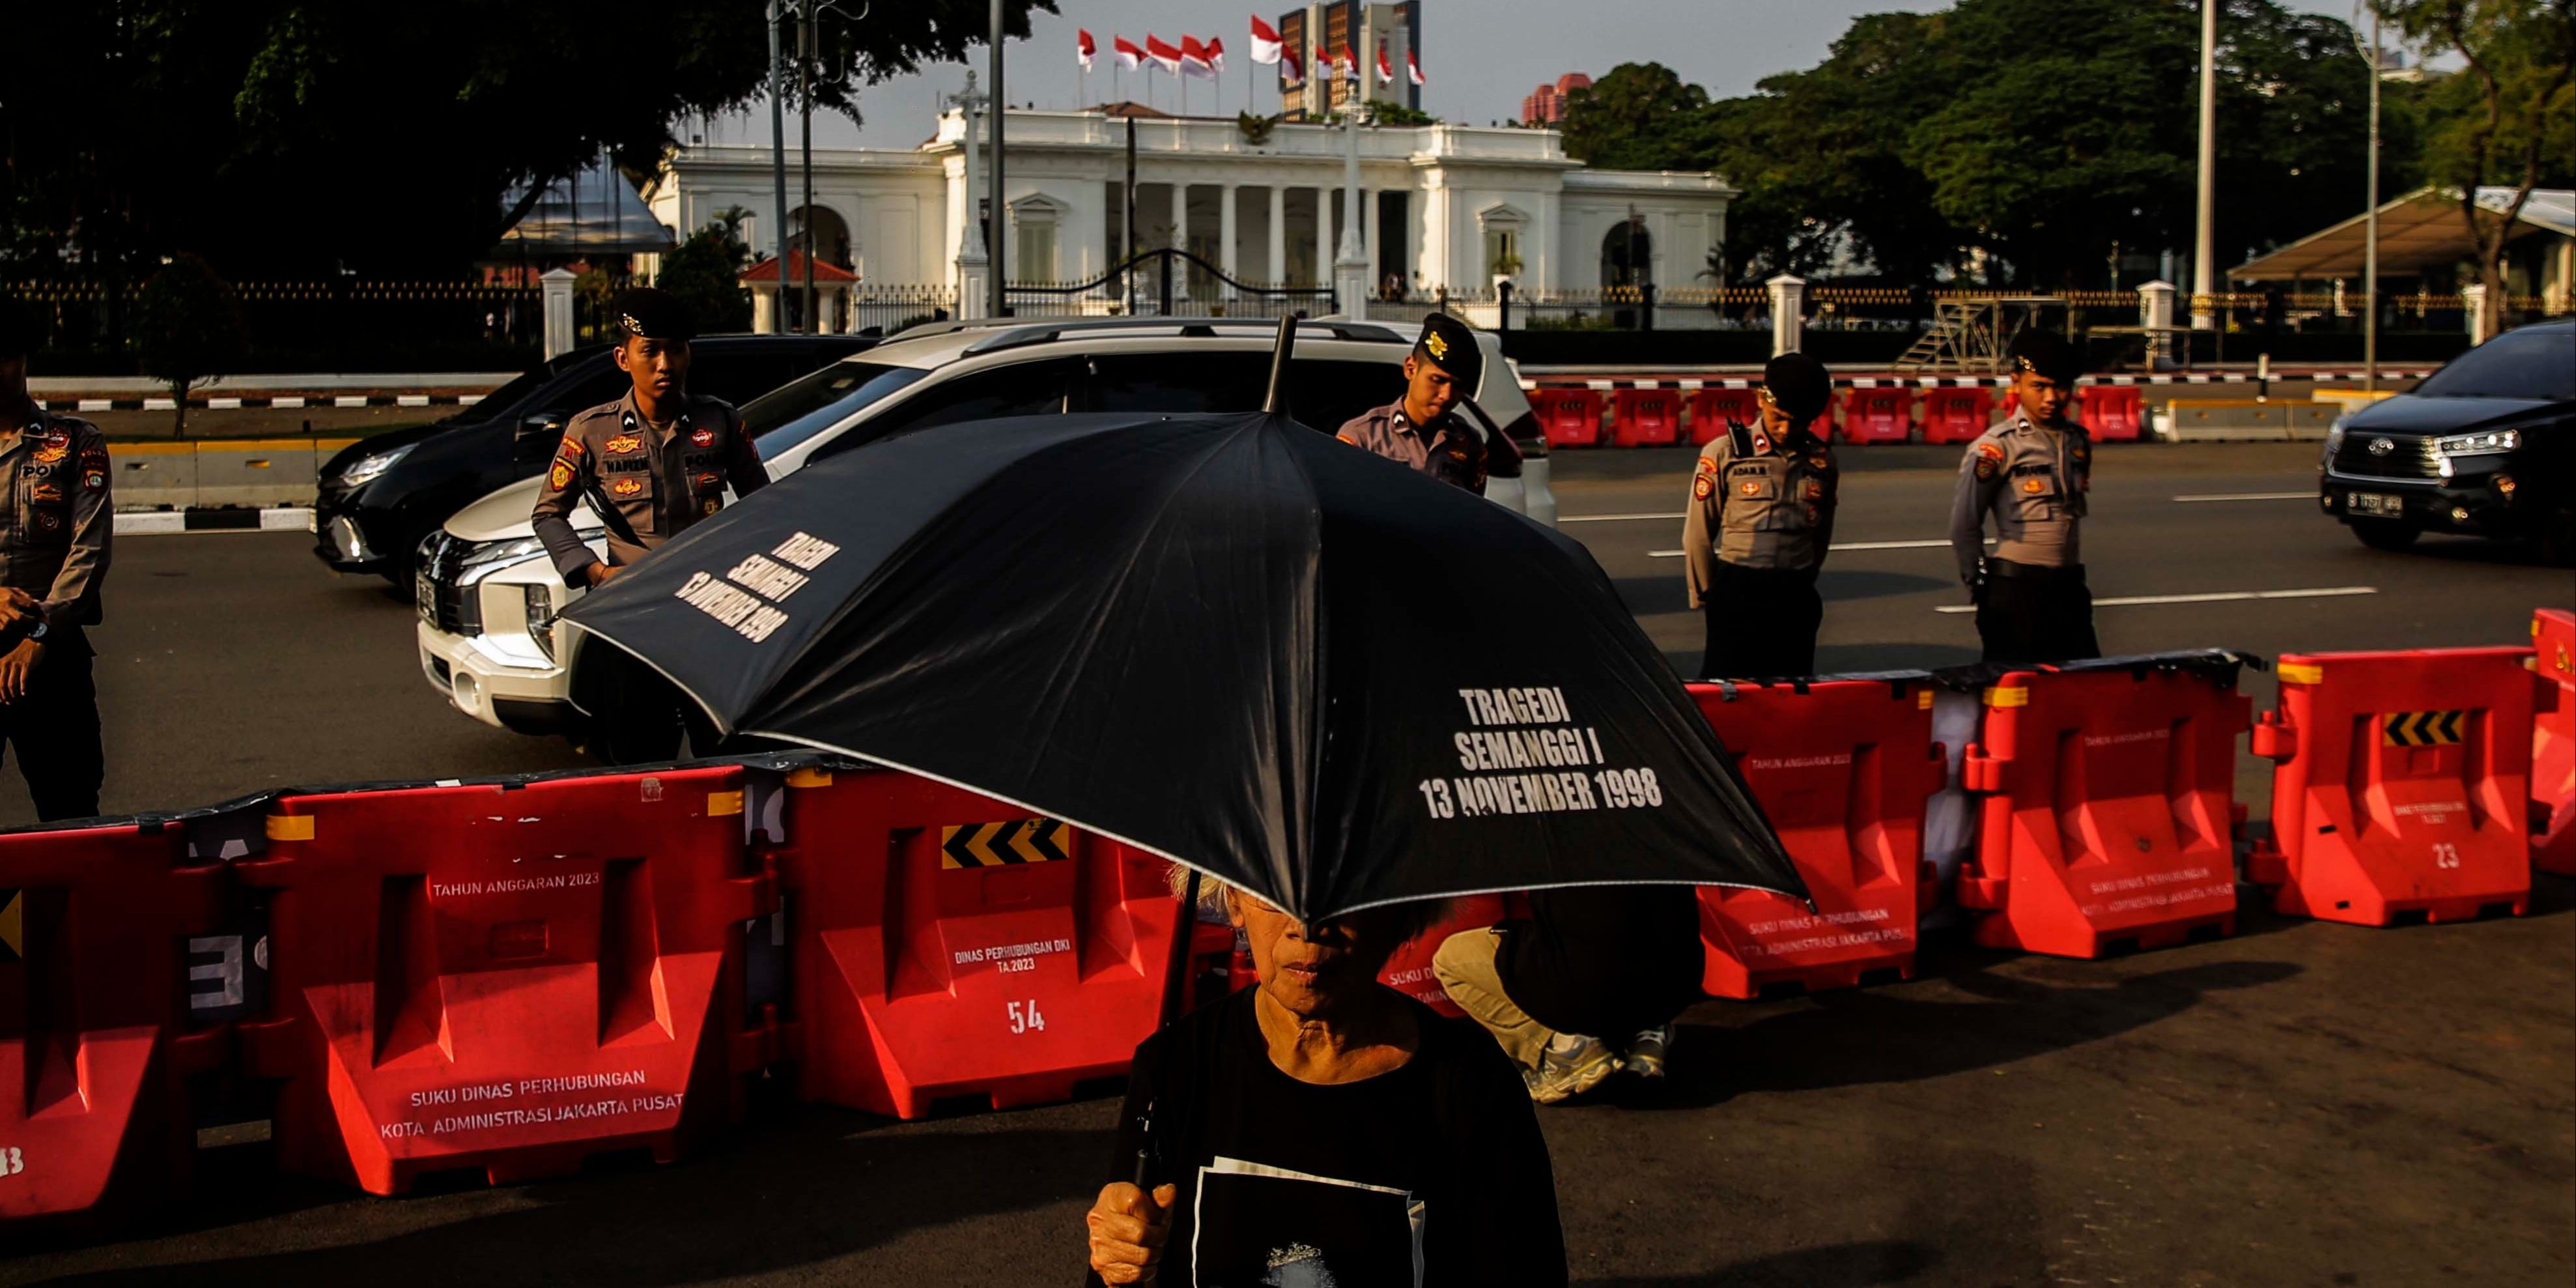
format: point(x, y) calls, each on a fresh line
point(1322, 31)
point(1546, 104)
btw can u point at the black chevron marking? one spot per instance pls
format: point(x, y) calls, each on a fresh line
point(955, 847)
point(1000, 844)
point(1048, 839)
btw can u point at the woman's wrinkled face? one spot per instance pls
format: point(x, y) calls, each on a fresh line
point(1309, 970)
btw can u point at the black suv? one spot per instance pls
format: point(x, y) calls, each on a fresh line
point(380, 495)
point(2485, 446)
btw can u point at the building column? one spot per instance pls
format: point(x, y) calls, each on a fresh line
point(1226, 260)
point(1323, 268)
point(1788, 313)
point(1277, 264)
point(2156, 314)
point(2473, 311)
point(555, 288)
point(1181, 215)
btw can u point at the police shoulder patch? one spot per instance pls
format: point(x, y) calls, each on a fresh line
point(1703, 487)
point(1708, 465)
point(560, 477)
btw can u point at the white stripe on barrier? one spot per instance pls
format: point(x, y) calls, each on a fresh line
point(411, 400)
point(287, 400)
point(2213, 597)
point(98, 404)
point(149, 523)
point(223, 404)
point(160, 404)
point(350, 400)
point(2248, 496)
point(1932, 543)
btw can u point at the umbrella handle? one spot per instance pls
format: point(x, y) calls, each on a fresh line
point(1275, 398)
point(1185, 922)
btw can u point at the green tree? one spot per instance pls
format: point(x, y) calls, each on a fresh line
point(283, 136)
point(1640, 117)
point(1384, 112)
point(187, 329)
point(705, 273)
point(2506, 119)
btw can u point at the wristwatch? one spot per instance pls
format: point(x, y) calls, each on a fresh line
point(41, 627)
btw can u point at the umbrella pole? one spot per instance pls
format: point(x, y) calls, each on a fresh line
point(1274, 399)
point(1176, 978)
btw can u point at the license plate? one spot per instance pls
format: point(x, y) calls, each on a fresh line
point(424, 596)
point(2378, 503)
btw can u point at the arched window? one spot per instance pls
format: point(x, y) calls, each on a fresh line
point(831, 234)
point(1627, 254)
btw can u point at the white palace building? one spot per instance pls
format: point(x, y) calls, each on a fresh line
point(1446, 208)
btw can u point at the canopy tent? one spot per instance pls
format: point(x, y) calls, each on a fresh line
point(2419, 231)
point(595, 211)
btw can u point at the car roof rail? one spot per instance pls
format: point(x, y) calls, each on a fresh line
point(1195, 328)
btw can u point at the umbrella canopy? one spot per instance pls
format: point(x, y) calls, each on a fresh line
point(1241, 644)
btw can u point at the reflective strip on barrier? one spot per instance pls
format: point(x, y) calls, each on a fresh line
point(1712, 407)
point(1646, 417)
point(1880, 415)
point(1409, 970)
point(1842, 769)
point(505, 978)
point(919, 974)
point(2553, 741)
point(94, 1047)
point(2403, 785)
point(2108, 813)
point(1570, 417)
point(1956, 415)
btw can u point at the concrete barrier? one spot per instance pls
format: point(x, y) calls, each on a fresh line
point(251, 473)
point(2222, 420)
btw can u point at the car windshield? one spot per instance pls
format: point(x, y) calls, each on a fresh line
point(2535, 362)
point(503, 398)
point(794, 412)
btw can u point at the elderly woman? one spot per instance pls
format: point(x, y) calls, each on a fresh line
point(1322, 1129)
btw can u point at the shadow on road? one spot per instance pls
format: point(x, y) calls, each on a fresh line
point(1840, 587)
point(809, 1186)
point(1836, 659)
point(1844, 1265)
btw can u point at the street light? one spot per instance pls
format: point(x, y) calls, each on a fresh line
point(2204, 250)
point(2370, 226)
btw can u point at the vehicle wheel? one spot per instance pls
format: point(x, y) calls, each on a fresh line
point(2386, 534)
point(2558, 537)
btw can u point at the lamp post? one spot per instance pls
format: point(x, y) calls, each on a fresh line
point(995, 305)
point(972, 264)
point(2204, 251)
point(2370, 229)
point(778, 143)
point(1350, 259)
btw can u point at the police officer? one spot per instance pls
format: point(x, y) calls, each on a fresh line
point(2032, 472)
point(1422, 429)
point(1760, 519)
point(651, 464)
point(54, 539)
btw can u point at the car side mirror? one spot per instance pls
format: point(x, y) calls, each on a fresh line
point(536, 438)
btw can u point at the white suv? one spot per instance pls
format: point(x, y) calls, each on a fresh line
point(488, 595)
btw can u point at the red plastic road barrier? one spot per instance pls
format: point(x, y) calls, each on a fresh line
point(947, 944)
point(1956, 415)
point(505, 979)
point(1409, 970)
point(2403, 785)
point(94, 1121)
point(1842, 770)
point(1712, 407)
point(1878, 415)
point(2111, 412)
point(2553, 741)
point(1646, 418)
point(2108, 813)
point(1572, 417)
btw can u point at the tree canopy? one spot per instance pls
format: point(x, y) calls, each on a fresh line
point(1968, 138)
point(273, 136)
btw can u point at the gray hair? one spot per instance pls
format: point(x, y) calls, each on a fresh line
point(1408, 920)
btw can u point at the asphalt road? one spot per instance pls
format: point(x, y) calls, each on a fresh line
point(2301, 1103)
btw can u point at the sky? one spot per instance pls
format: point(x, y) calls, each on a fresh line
point(1479, 57)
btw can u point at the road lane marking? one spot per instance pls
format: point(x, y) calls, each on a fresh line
point(1930, 544)
point(1610, 518)
point(2250, 496)
point(2213, 597)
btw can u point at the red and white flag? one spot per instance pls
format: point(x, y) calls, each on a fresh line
point(1266, 45)
point(1194, 59)
point(1412, 67)
point(1350, 61)
point(1326, 66)
point(1385, 70)
point(1126, 52)
point(1291, 68)
point(1083, 48)
point(1161, 51)
point(1216, 53)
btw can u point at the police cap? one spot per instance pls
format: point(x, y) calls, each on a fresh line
point(18, 330)
point(650, 314)
point(1450, 345)
point(2048, 354)
point(1799, 384)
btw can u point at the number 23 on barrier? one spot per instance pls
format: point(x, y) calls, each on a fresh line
point(1025, 1017)
point(2445, 855)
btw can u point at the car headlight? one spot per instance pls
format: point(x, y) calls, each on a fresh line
point(541, 618)
point(492, 556)
point(2334, 437)
point(372, 464)
point(2485, 443)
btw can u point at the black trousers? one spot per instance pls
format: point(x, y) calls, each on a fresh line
point(54, 730)
point(2035, 614)
point(637, 717)
point(1761, 622)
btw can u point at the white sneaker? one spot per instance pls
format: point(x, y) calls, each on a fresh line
point(1647, 1052)
point(1573, 1064)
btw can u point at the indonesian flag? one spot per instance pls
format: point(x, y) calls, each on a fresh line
point(1083, 48)
point(1326, 66)
point(1126, 52)
point(1385, 70)
point(1266, 45)
point(1216, 53)
point(1350, 61)
point(1161, 51)
point(1290, 68)
point(1412, 67)
point(1194, 59)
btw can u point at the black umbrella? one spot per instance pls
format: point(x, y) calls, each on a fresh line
point(1228, 639)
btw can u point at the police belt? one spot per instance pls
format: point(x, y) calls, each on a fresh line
point(2007, 569)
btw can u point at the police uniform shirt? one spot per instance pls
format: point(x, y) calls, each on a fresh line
point(1447, 449)
point(659, 479)
point(1757, 503)
point(2033, 477)
point(59, 523)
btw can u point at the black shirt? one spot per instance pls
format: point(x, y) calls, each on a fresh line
point(1438, 1163)
point(1604, 960)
